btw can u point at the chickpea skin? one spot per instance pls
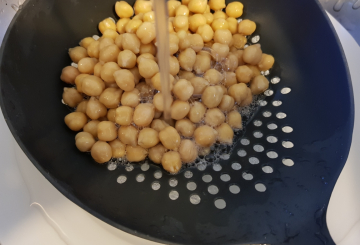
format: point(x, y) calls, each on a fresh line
point(86, 42)
point(71, 97)
point(171, 161)
point(158, 101)
point(144, 114)
point(95, 109)
point(124, 115)
point(179, 109)
point(101, 152)
point(205, 136)
point(214, 117)
point(75, 120)
point(133, 25)
point(110, 97)
point(185, 127)
point(118, 148)
point(170, 138)
point(172, 6)
point(68, 74)
point(158, 124)
point(142, 7)
point(91, 127)
point(93, 49)
point(180, 23)
point(84, 141)
point(195, 21)
point(182, 10)
point(259, 84)
point(135, 153)
point(174, 65)
point(219, 23)
point(199, 85)
point(229, 79)
point(156, 153)
point(234, 120)
point(148, 48)
point(148, 138)
point(219, 51)
point(212, 96)
point(232, 22)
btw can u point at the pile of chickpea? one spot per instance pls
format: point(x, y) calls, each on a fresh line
point(117, 92)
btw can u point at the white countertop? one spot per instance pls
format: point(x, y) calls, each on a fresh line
point(33, 212)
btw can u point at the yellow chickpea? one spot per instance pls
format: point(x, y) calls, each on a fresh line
point(202, 64)
point(199, 85)
point(86, 42)
point(110, 97)
point(142, 6)
point(205, 136)
point(144, 114)
point(222, 36)
point(118, 148)
point(181, 22)
point(233, 24)
point(92, 85)
point(170, 138)
point(146, 32)
point(267, 61)
point(149, 17)
point(197, 112)
point(124, 115)
point(156, 153)
point(195, 21)
point(184, 42)
point(231, 62)
point(131, 98)
point(91, 127)
point(229, 79)
point(158, 124)
point(145, 56)
point(174, 66)
point(213, 76)
point(219, 23)
point(101, 152)
point(81, 107)
point(156, 82)
point(234, 9)
point(239, 55)
point(121, 24)
point(125, 80)
point(243, 74)
point(107, 23)
point(185, 2)
point(248, 100)
point(84, 141)
point(252, 54)
point(71, 97)
point(138, 17)
point(217, 4)
point(188, 151)
point(220, 15)
point(182, 10)
point(158, 101)
point(133, 25)
point(135, 153)
point(109, 53)
point(183, 89)
point(77, 53)
point(79, 80)
point(172, 6)
point(126, 59)
point(111, 115)
point(68, 74)
point(109, 33)
point(170, 27)
point(206, 32)
point(234, 120)
point(171, 161)
point(196, 42)
point(148, 68)
point(186, 75)
point(239, 41)
point(179, 109)
point(93, 49)
point(131, 42)
point(148, 48)
point(212, 96)
point(95, 109)
point(246, 27)
point(97, 69)
point(238, 92)
point(173, 43)
point(123, 9)
point(259, 84)
point(225, 134)
point(107, 72)
point(185, 127)
point(227, 103)
point(128, 135)
point(197, 6)
point(214, 117)
point(75, 120)
point(255, 71)
point(106, 131)
point(219, 51)
point(187, 59)
point(148, 138)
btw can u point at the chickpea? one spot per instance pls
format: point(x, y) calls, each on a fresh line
point(188, 151)
point(81, 107)
point(225, 133)
point(145, 56)
point(104, 42)
point(86, 42)
point(185, 42)
point(86, 65)
point(158, 124)
point(111, 114)
point(77, 53)
point(149, 17)
point(199, 85)
point(92, 85)
point(181, 22)
point(182, 10)
point(148, 48)
point(142, 7)
point(118, 148)
point(179, 109)
point(213, 76)
point(125, 80)
point(124, 115)
point(156, 82)
point(202, 64)
point(187, 59)
point(139, 16)
point(197, 112)
point(239, 55)
point(209, 44)
point(93, 49)
point(101, 152)
point(133, 25)
point(148, 138)
point(246, 27)
point(91, 127)
point(205, 136)
point(227, 103)
point(212, 96)
point(170, 138)
point(248, 99)
point(232, 25)
point(135, 72)
point(107, 23)
point(135, 153)
point(156, 153)
point(217, 4)
point(252, 54)
point(238, 92)
point(109, 33)
point(174, 65)
point(108, 70)
point(222, 36)
point(173, 43)
point(84, 141)
point(182, 34)
point(144, 114)
point(146, 32)
point(183, 89)
point(170, 27)
point(224, 89)
point(259, 84)
point(95, 109)
point(123, 9)
point(186, 75)
point(68, 74)
point(171, 161)
point(148, 68)
point(75, 120)
point(220, 15)
point(128, 135)
point(185, 127)
point(229, 79)
point(243, 74)
point(172, 6)
point(195, 21)
point(234, 119)
point(239, 41)
point(219, 51)
point(71, 97)
point(214, 117)
point(196, 42)
point(130, 42)
point(106, 131)
point(219, 23)
point(126, 59)
point(110, 97)
point(206, 32)
point(231, 62)
point(158, 101)
point(97, 69)
point(79, 80)
point(197, 6)
point(121, 24)
point(267, 61)
point(185, 2)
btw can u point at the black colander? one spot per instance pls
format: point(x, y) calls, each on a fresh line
point(274, 187)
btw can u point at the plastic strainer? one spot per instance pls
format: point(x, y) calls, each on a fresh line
point(275, 186)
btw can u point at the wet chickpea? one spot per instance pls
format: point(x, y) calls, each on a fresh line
point(95, 109)
point(213, 76)
point(109, 33)
point(234, 9)
point(219, 51)
point(174, 66)
point(182, 10)
point(173, 43)
point(238, 92)
point(234, 120)
point(101, 152)
point(186, 75)
point(135, 153)
point(232, 25)
point(196, 42)
point(181, 22)
point(184, 42)
point(106, 131)
point(183, 89)
point(259, 84)
point(142, 7)
point(97, 69)
point(126, 59)
point(144, 114)
point(171, 27)
point(156, 83)
point(243, 74)
point(77, 53)
point(187, 59)
point(92, 85)
point(225, 134)
point(219, 23)
point(148, 48)
point(145, 56)
point(78, 82)
point(197, 6)
point(239, 55)
point(148, 68)
point(197, 112)
point(85, 42)
point(124, 115)
point(156, 153)
point(91, 127)
point(170, 138)
point(104, 42)
point(185, 127)
point(128, 135)
point(255, 71)
point(195, 21)
point(172, 6)
point(212, 96)
point(71, 97)
point(199, 85)
point(68, 74)
point(110, 97)
point(75, 120)
point(214, 117)
point(171, 161)
point(179, 109)
point(81, 107)
point(267, 61)
point(205, 136)
point(146, 32)
point(148, 138)
point(111, 114)
point(222, 36)
point(118, 148)
point(93, 49)
point(139, 16)
point(149, 17)
point(158, 101)
point(136, 73)
point(84, 141)
point(188, 151)
point(220, 15)
point(86, 65)
point(107, 23)
point(158, 124)
point(133, 25)
point(246, 27)
point(185, 2)
point(231, 62)
point(217, 4)
point(123, 9)
point(239, 41)
point(125, 80)
point(107, 72)
point(202, 64)
point(121, 24)
point(227, 103)
point(249, 98)
point(206, 32)
point(252, 54)
point(229, 79)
